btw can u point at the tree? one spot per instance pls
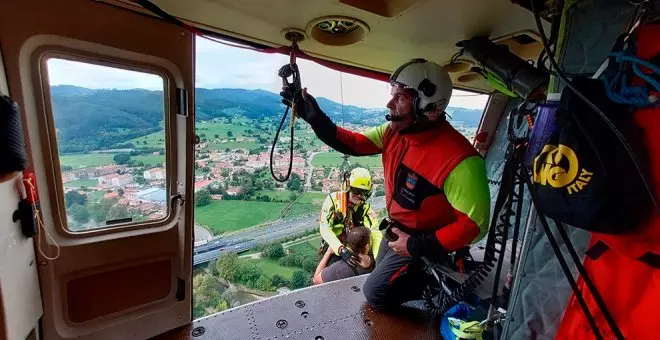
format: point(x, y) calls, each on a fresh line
point(118, 212)
point(100, 210)
point(66, 168)
point(202, 198)
point(294, 182)
point(247, 271)
point(299, 279)
point(309, 264)
point(217, 136)
point(74, 197)
point(278, 281)
point(121, 158)
point(273, 251)
point(79, 213)
point(144, 142)
point(227, 266)
point(229, 133)
point(140, 180)
point(293, 196)
point(263, 283)
point(213, 267)
point(225, 173)
point(120, 192)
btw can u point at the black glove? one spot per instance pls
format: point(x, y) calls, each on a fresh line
point(349, 256)
point(306, 106)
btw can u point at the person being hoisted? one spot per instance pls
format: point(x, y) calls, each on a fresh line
point(345, 210)
point(436, 189)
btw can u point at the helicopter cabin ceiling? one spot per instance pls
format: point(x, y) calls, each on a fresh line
point(375, 34)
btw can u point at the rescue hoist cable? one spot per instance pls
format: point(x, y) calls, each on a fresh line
point(286, 71)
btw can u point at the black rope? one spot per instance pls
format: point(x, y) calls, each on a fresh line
point(272, 150)
point(562, 262)
point(587, 280)
point(12, 147)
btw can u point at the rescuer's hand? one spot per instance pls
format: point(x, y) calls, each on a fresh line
point(306, 106)
point(349, 256)
point(400, 246)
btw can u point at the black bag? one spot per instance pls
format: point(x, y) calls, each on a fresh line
point(583, 175)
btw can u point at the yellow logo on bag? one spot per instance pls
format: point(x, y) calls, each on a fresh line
point(558, 166)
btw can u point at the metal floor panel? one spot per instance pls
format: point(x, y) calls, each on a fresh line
point(332, 311)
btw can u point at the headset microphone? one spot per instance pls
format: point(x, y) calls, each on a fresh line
point(391, 118)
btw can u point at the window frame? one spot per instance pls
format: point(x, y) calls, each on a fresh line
point(52, 159)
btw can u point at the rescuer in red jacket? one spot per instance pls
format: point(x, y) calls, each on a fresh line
point(436, 188)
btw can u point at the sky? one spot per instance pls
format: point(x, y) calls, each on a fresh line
point(221, 66)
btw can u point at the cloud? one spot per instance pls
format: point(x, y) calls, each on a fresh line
point(220, 66)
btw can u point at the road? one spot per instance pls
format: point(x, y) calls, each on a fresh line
point(310, 171)
point(244, 240)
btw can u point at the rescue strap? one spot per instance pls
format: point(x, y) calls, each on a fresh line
point(599, 248)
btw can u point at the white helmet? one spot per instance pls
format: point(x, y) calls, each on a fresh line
point(429, 80)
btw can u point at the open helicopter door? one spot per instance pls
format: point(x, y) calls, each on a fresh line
point(114, 253)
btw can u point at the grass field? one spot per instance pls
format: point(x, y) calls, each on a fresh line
point(78, 161)
point(82, 183)
point(274, 194)
point(150, 159)
point(316, 198)
point(300, 209)
point(224, 216)
point(308, 247)
point(95, 196)
point(154, 140)
point(333, 159)
point(272, 267)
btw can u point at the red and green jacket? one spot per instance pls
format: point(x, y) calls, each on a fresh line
point(435, 181)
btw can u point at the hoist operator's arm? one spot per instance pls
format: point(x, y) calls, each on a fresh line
point(467, 191)
point(348, 142)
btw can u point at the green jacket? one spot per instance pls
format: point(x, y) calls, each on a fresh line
point(335, 215)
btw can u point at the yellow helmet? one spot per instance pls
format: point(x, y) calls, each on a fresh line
point(360, 179)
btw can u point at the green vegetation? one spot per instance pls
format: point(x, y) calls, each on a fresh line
point(275, 195)
point(202, 198)
point(78, 161)
point(301, 209)
point(333, 159)
point(90, 182)
point(273, 267)
point(224, 216)
point(316, 198)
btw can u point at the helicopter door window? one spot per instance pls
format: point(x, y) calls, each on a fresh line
point(111, 139)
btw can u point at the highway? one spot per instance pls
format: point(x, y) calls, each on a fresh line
point(244, 240)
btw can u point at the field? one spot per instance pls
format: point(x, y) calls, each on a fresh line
point(224, 216)
point(154, 140)
point(274, 194)
point(300, 209)
point(316, 198)
point(79, 161)
point(333, 159)
point(82, 183)
point(272, 267)
point(307, 247)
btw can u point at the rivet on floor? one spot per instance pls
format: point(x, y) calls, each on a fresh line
point(198, 331)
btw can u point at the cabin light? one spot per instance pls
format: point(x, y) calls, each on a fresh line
point(337, 30)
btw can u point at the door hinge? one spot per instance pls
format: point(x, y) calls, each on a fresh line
point(182, 102)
